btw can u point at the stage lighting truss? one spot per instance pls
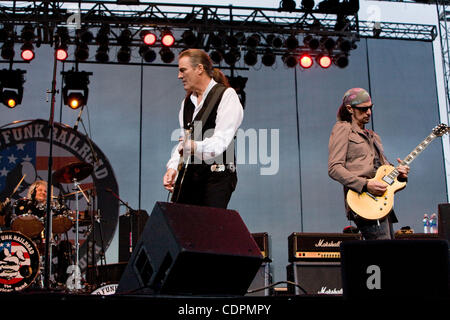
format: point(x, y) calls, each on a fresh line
point(75, 91)
point(241, 36)
point(11, 87)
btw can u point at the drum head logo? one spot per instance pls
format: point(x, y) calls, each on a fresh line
point(19, 262)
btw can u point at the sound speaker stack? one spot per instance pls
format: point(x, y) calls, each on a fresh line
point(315, 266)
point(192, 250)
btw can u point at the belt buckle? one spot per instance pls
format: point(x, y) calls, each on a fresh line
point(218, 167)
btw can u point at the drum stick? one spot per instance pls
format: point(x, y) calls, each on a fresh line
point(17, 187)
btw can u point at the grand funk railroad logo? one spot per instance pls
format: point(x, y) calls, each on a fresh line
point(24, 155)
point(19, 262)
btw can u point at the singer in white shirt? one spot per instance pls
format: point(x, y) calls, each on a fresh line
point(211, 177)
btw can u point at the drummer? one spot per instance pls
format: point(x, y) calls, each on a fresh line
point(38, 191)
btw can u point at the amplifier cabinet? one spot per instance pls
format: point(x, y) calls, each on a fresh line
point(262, 239)
point(313, 278)
point(317, 246)
point(263, 279)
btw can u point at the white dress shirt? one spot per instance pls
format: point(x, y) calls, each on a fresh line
point(229, 117)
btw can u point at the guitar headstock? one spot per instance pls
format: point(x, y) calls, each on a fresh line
point(441, 129)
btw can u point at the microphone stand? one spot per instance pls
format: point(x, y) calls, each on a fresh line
point(48, 223)
point(129, 214)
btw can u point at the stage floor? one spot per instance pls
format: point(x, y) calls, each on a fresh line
point(122, 306)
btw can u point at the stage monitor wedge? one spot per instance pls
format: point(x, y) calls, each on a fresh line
point(192, 250)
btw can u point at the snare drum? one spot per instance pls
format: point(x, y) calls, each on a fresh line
point(62, 220)
point(28, 217)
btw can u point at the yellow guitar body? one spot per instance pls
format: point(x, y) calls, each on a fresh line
point(372, 207)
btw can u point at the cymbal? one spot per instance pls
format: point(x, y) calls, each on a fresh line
point(71, 193)
point(72, 171)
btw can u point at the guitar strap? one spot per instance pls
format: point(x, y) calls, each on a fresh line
point(216, 94)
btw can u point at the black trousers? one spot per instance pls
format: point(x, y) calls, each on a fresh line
point(203, 187)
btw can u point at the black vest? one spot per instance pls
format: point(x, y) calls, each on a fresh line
point(208, 127)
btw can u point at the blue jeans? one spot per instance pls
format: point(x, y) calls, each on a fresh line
point(375, 229)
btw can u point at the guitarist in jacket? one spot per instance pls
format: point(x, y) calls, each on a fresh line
point(210, 176)
point(354, 155)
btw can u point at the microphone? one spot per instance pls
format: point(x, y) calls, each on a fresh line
point(33, 194)
point(75, 127)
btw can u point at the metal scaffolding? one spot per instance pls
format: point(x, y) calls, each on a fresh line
point(204, 20)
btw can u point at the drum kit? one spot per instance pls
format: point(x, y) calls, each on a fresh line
point(27, 221)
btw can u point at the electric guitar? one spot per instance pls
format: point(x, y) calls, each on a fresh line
point(182, 164)
point(374, 207)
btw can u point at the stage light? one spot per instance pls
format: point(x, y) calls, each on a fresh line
point(311, 42)
point(254, 40)
point(102, 55)
point(341, 60)
point(167, 39)
point(102, 37)
point(27, 53)
point(344, 45)
point(167, 56)
point(238, 84)
point(308, 4)
point(287, 5)
point(189, 38)
point(327, 43)
point(61, 53)
point(124, 38)
point(216, 56)
point(124, 54)
point(215, 40)
point(251, 58)
point(11, 87)
point(232, 56)
point(8, 50)
point(148, 37)
point(376, 29)
point(149, 55)
point(27, 33)
point(291, 42)
point(324, 60)
point(268, 59)
point(82, 51)
point(305, 61)
point(290, 60)
point(85, 36)
point(75, 91)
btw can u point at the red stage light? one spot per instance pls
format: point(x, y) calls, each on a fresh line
point(306, 61)
point(168, 40)
point(324, 61)
point(150, 39)
point(27, 54)
point(61, 54)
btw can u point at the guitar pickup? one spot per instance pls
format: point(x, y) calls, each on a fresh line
point(388, 180)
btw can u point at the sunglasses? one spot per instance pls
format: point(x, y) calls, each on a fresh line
point(363, 109)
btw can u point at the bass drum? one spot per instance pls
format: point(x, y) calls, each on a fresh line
point(106, 289)
point(28, 217)
point(19, 262)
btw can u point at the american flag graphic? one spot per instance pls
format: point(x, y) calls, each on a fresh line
point(15, 256)
point(31, 159)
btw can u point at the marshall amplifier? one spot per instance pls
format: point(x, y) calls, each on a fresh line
point(314, 278)
point(263, 241)
point(317, 246)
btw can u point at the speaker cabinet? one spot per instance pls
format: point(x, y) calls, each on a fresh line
point(192, 250)
point(444, 220)
point(314, 277)
point(395, 268)
point(260, 284)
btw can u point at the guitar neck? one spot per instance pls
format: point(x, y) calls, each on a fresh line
point(410, 157)
point(418, 150)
